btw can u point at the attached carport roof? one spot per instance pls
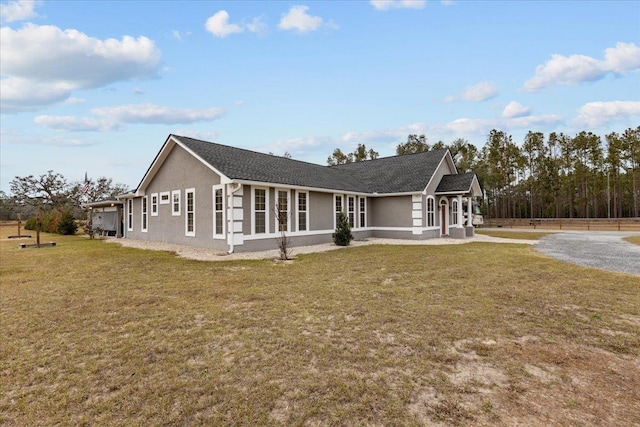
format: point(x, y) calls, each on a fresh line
point(104, 203)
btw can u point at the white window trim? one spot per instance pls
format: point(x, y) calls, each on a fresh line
point(454, 212)
point(362, 211)
point(173, 206)
point(306, 211)
point(154, 205)
point(129, 214)
point(144, 212)
point(335, 217)
point(355, 208)
point(277, 190)
point(434, 224)
point(186, 212)
point(253, 211)
point(166, 194)
point(222, 213)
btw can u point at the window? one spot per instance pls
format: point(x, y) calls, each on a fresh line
point(351, 209)
point(218, 211)
point(190, 212)
point(283, 210)
point(130, 214)
point(431, 212)
point(338, 209)
point(363, 211)
point(454, 212)
point(154, 204)
point(302, 212)
point(164, 198)
point(175, 203)
point(144, 214)
point(259, 211)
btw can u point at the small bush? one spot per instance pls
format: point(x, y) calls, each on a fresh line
point(342, 236)
point(66, 225)
point(30, 224)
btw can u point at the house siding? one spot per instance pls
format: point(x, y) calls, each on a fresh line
point(180, 171)
point(393, 211)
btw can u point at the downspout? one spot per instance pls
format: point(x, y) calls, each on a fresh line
point(233, 190)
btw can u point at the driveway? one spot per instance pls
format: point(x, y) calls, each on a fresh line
point(599, 249)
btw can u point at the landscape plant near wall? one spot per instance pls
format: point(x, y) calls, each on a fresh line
point(342, 236)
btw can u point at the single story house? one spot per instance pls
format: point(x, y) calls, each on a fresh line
point(215, 196)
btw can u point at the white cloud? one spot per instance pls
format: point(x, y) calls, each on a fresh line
point(180, 36)
point(515, 109)
point(594, 114)
point(18, 11)
point(218, 25)
point(257, 25)
point(156, 114)
point(112, 118)
point(479, 92)
point(294, 146)
point(43, 65)
point(297, 19)
point(75, 124)
point(481, 127)
point(385, 135)
point(576, 69)
point(397, 4)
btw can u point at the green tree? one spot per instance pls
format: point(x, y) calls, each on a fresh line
point(415, 144)
point(342, 235)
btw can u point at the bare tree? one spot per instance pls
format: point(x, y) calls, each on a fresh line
point(284, 243)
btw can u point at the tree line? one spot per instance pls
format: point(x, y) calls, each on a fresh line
point(552, 176)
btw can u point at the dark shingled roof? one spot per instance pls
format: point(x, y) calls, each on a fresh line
point(455, 183)
point(398, 174)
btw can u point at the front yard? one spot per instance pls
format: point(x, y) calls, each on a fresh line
point(471, 334)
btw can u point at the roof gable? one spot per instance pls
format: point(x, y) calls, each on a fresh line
point(459, 183)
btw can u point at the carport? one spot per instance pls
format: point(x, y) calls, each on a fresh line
point(107, 215)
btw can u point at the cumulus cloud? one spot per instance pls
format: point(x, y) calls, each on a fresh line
point(385, 135)
point(481, 127)
point(397, 4)
point(576, 69)
point(157, 114)
point(18, 11)
point(218, 25)
point(477, 93)
point(515, 109)
point(299, 20)
point(594, 114)
point(75, 124)
point(43, 65)
point(112, 118)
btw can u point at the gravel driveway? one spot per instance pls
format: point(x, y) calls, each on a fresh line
point(599, 249)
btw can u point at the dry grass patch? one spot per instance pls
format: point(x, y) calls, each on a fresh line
point(97, 334)
point(520, 235)
point(633, 239)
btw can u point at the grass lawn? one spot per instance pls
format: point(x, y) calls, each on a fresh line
point(520, 235)
point(472, 334)
point(633, 239)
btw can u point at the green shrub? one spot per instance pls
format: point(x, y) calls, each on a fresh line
point(342, 236)
point(66, 224)
point(30, 224)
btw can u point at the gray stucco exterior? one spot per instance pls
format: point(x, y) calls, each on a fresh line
point(249, 196)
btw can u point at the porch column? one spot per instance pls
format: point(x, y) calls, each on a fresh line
point(469, 211)
point(459, 213)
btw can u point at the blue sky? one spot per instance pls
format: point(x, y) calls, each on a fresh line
point(97, 86)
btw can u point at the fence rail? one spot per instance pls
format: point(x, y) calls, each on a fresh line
point(603, 224)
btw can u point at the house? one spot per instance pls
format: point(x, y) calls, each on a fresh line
point(210, 195)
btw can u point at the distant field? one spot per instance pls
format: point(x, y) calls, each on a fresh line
point(471, 334)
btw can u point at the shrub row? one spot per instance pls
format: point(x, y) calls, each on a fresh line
point(60, 222)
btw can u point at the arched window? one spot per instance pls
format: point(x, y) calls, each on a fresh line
point(431, 212)
point(454, 212)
